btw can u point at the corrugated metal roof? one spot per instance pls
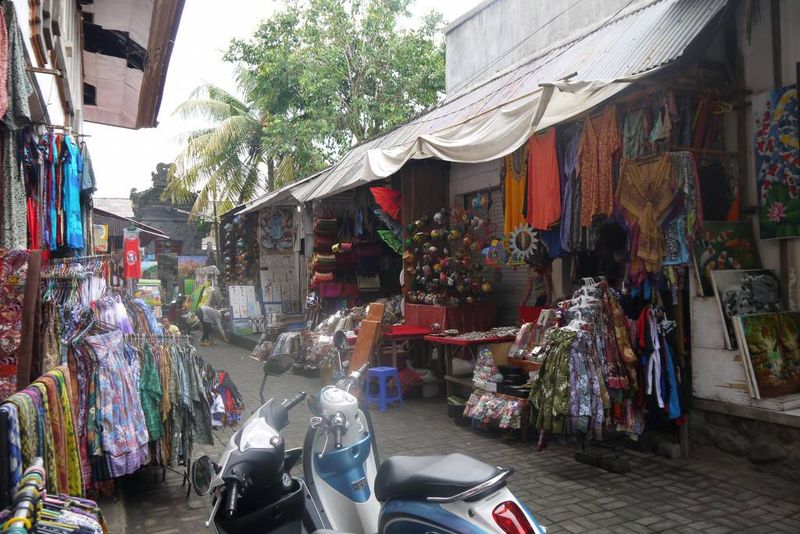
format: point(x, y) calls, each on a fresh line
point(117, 224)
point(287, 192)
point(632, 44)
point(118, 206)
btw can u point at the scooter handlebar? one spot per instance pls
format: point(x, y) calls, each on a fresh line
point(294, 401)
point(231, 500)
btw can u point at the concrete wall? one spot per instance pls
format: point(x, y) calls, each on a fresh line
point(757, 55)
point(500, 33)
point(173, 223)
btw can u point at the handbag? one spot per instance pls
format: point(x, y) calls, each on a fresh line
point(369, 283)
point(326, 226)
point(321, 278)
point(324, 263)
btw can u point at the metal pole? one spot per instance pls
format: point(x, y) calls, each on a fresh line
point(216, 231)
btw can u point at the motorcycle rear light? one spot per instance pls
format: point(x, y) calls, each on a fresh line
point(511, 519)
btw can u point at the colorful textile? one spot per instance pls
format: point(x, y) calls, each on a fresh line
point(544, 188)
point(71, 167)
point(75, 485)
point(550, 392)
point(390, 200)
point(123, 429)
point(132, 257)
point(600, 142)
point(645, 192)
point(15, 459)
point(391, 239)
point(150, 392)
point(514, 174)
point(13, 272)
point(568, 146)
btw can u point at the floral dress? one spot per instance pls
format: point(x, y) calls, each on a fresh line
point(123, 431)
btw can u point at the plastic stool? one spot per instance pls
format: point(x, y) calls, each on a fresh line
point(383, 375)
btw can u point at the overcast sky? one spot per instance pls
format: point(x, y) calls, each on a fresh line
point(123, 159)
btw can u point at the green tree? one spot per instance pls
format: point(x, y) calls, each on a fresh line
point(334, 73)
point(225, 159)
point(317, 78)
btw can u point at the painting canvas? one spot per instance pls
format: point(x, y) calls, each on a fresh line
point(771, 346)
point(777, 158)
point(276, 231)
point(150, 269)
point(745, 292)
point(724, 245)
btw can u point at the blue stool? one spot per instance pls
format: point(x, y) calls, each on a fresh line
point(382, 375)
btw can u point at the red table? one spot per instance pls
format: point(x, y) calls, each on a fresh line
point(475, 317)
point(455, 345)
point(398, 339)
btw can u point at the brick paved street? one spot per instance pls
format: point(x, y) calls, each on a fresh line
point(658, 495)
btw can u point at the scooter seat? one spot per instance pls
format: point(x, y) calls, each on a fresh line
point(420, 477)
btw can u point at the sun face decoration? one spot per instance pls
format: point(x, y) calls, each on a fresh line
point(522, 243)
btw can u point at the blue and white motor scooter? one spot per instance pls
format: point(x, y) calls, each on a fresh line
point(345, 488)
point(354, 493)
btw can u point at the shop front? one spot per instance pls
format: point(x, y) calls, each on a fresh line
point(579, 258)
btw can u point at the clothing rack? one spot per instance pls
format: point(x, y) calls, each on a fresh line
point(27, 499)
point(70, 259)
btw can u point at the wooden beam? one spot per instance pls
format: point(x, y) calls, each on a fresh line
point(164, 24)
point(777, 59)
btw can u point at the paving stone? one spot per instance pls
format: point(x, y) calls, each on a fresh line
point(657, 495)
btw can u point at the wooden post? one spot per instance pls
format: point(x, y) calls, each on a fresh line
point(777, 81)
point(369, 335)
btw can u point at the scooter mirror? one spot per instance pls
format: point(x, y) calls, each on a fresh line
point(278, 364)
point(314, 405)
point(202, 474)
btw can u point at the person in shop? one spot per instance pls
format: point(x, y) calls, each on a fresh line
point(539, 285)
point(169, 328)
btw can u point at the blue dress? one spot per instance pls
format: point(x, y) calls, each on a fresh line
point(72, 192)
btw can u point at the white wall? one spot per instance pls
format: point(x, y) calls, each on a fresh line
point(499, 34)
point(757, 55)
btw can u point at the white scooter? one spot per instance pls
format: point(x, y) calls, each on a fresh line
point(355, 493)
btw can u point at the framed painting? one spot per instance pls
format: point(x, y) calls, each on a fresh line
point(771, 349)
point(745, 292)
point(777, 158)
point(724, 245)
point(276, 231)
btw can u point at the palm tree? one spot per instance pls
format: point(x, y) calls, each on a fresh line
point(225, 163)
